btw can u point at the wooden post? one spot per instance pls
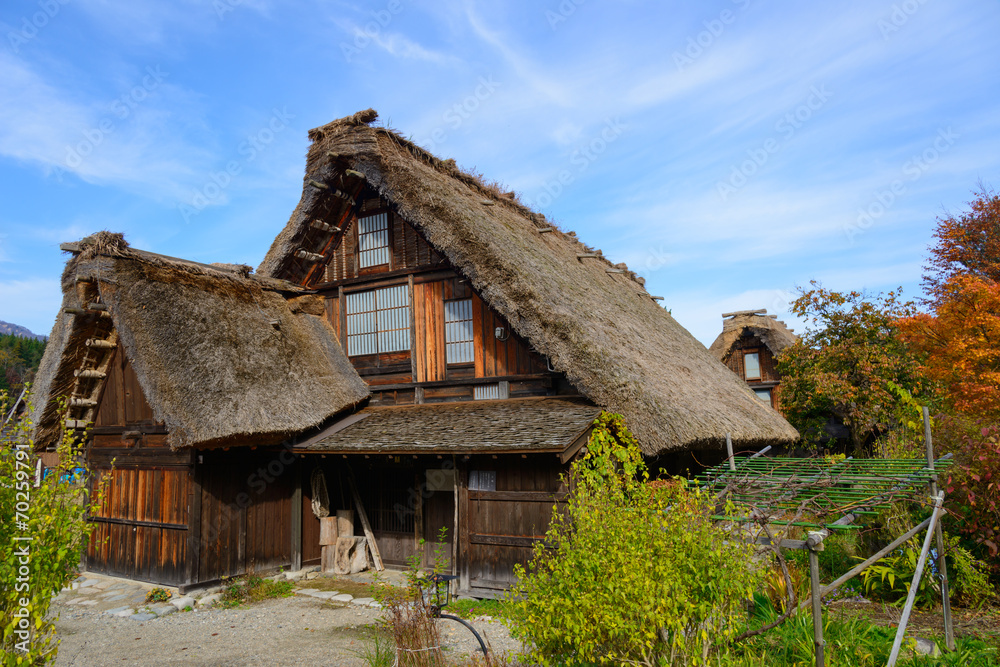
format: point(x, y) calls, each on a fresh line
point(915, 584)
point(454, 530)
point(369, 535)
point(296, 518)
point(462, 529)
point(729, 451)
point(418, 513)
point(817, 602)
point(194, 524)
point(949, 626)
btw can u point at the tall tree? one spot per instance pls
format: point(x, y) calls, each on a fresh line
point(959, 341)
point(844, 362)
point(967, 244)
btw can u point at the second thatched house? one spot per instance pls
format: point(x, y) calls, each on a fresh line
point(413, 335)
point(749, 345)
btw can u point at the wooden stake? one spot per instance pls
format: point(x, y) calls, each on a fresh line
point(949, 625)
point(729, 450)
point(817, 604)
point(369, 535)
point(915, 583)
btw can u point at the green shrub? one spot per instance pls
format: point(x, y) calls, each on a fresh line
point(157, 595)
point(629, 573)
point(43, 530)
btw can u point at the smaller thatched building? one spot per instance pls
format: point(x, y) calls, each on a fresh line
point(189, 376)
point(749, 345)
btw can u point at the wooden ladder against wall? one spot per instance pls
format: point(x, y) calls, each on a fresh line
point(102, 340)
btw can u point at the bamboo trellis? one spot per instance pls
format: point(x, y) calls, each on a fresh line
point(828, 494)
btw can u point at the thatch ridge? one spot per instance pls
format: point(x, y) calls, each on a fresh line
point(222, 357)
point(772, 332)
point(600, 328)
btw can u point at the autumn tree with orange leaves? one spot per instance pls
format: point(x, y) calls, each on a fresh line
point(959, 341)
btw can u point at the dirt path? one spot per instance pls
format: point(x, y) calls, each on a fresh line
point(288, 631)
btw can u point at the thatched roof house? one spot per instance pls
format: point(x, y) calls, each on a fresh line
point(749, 345)
point(593, 320)
point(222, 357)
point(768, 329)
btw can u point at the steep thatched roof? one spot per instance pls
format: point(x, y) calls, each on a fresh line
point(594, 321)
point(773, 333)
point(222, 357)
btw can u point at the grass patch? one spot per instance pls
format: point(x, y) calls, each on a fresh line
point(355, 588)
point(251, 589)
point(473, 608)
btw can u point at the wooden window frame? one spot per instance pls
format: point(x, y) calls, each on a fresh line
point(378, 331)
point(472, 336)
point(760, 368)
point(374, 268)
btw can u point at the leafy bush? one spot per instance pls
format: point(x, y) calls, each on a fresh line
point(253, 588)
point(43, 529)
point(630, 573)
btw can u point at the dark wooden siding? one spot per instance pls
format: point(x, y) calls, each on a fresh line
point(245, 513)
point(499, 528)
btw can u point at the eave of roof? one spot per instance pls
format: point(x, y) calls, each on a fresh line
point(517, 425)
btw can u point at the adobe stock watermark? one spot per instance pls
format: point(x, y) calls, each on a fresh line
point(581, 158)
point(48, 10)
point(223, 7)
point(785, 127)
point(912, 170)
point(699, 43)
point(365, 35)
point(218, 181)
point(461, 111)
point(564, 10)
point(122, 108)
point(898, 17)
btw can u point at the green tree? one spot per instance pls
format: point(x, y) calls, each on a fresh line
point(43, 530)
point(844, 362)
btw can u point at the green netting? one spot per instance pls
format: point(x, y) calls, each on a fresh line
point(823, 488)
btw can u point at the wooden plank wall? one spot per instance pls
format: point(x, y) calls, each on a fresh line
point(122, 400)
point(499, 528)
point(142, 525)
point(428, 316)
point(245, 519)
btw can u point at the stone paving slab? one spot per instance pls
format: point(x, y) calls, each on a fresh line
point(343, 597)
point(142, 617)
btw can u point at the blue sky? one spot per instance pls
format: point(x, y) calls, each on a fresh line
point(728, 151)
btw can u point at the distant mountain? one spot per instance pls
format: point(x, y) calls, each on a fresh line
point(18, 330)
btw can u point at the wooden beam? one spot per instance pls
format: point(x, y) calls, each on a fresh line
point(194, 525)
point(369, 535)
point(89, 374)
point(309, 256)
point(99, 344)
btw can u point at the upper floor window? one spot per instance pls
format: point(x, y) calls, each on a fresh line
point(764, 395)
point(378, 321)
point(458, 332)
point(751, 365)
point(373, 240)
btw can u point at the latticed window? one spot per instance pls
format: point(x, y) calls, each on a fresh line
point(373, 240)
point(458, 331)
point(751, 365)
point(378, 321)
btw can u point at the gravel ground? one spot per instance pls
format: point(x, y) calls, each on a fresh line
point(288, 631)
